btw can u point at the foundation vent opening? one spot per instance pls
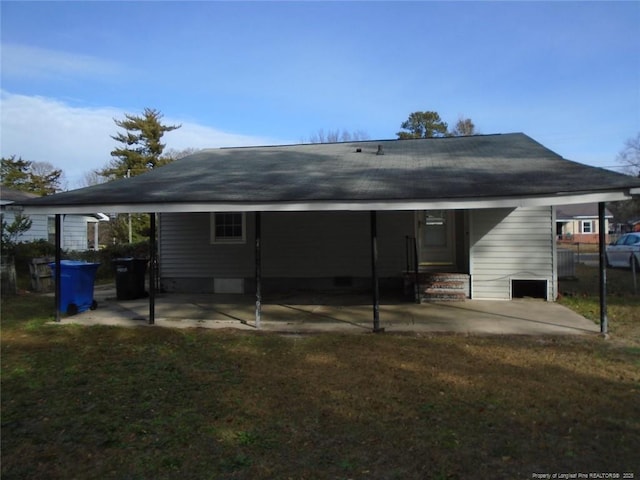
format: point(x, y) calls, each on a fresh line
point(529, 289)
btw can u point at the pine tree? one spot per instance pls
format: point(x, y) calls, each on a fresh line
point(142, 145)
point(40, 178)
point(140, 151)
point(423, 125)
point(429, 124)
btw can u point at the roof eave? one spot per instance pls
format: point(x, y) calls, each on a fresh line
point(561, 198)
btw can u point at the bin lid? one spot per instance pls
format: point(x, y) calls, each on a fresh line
point(73, 263)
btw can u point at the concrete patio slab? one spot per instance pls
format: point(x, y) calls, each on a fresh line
point(308, 312)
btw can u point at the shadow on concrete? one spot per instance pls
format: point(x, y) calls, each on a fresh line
point(337, 312)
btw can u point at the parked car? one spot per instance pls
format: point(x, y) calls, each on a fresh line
point(621, 252)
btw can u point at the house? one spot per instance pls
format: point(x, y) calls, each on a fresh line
point(358, 214)
point(632, 225)
point(74, 227)
point(579, 223)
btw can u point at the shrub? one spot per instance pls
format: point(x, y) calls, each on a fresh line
point(26, 251)
point(107, 255)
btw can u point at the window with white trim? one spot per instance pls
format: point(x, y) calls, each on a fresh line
point(586, 226)
point(228, 227)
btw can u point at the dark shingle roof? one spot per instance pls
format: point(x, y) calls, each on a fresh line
point(8, 195)
point(426, 169)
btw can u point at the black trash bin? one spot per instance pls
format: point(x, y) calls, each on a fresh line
point(130, 276)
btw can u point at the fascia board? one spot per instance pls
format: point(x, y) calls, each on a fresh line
point(346, 205)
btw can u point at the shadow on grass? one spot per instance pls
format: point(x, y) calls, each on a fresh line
point(106, 402)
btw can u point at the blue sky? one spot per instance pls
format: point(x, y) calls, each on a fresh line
point(235, 73)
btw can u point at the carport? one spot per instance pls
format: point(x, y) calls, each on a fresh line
point(476, 172)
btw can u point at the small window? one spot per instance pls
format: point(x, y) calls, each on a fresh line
point(586, 226)
point(435, 223)
point(228, 228)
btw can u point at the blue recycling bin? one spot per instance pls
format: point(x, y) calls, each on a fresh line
point(76, 285)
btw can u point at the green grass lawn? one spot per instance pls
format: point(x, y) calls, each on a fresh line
point(623, 304)
point(152, 403)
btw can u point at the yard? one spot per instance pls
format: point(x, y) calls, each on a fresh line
point(107, 402)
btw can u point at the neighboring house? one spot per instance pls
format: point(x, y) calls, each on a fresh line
point(74, 227)
point(617, 229)
point(340, 215)
point(579, 223)
point(632, 225)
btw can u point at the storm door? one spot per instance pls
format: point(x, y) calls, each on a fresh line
point(435, 233)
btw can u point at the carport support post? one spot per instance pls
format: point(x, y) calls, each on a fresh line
point(58, 242)
point(152, 268)
point(374, 273)
point(258, 270)
point(604, 323)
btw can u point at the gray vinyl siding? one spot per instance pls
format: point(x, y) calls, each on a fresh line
point(294, 245)
point(74, 230)
point(509, 244)
point(333, 244)
point(186, 250)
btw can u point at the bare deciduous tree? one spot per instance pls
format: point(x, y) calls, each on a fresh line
point(629, 156)
point(92, 178)
point(464, 127)
point(337, 135)
point(173, 154)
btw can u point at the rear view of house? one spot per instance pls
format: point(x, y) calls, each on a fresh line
point(476, 214)
point(491, 250)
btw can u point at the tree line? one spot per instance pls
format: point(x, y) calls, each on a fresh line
point(428, 124)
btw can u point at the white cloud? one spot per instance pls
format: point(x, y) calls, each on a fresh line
point(193, 135)
point(39, 129)
point(35, 62)
point(78, 139)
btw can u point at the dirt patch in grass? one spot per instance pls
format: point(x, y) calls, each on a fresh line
point(106, 402)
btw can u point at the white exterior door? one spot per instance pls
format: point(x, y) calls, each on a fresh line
point(435, 233)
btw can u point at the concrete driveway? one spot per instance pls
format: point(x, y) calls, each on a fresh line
point(309, 312)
